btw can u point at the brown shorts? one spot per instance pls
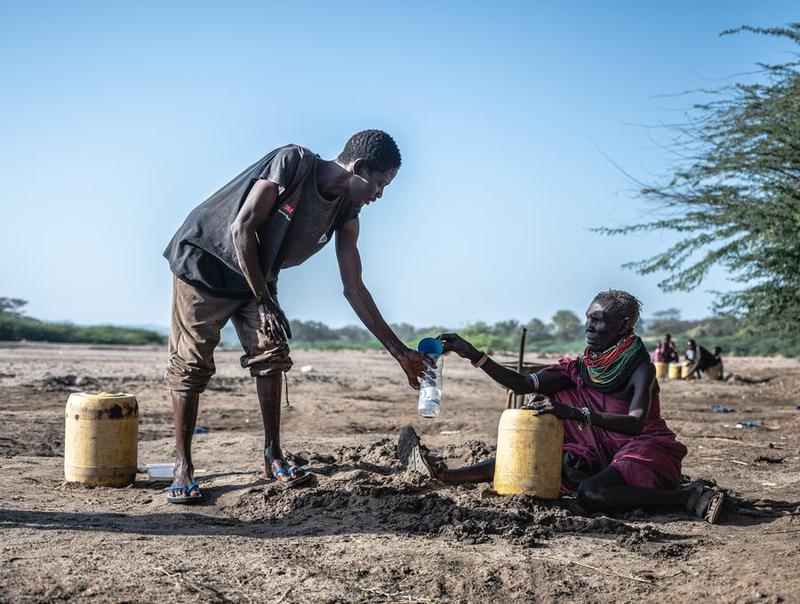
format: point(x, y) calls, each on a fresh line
point(197, 320)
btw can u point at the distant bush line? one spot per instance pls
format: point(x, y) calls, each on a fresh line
point(563, 335)
point(16, 327)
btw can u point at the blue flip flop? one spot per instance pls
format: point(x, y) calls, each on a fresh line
point(294, 479)
point(186, 496)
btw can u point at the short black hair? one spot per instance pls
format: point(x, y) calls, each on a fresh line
point(375, 147)
point(623, 302)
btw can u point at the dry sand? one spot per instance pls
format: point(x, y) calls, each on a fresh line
point(367, 532)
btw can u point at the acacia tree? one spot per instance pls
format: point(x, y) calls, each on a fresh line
point(12, 306)
point(734, 195)
point(567, 325)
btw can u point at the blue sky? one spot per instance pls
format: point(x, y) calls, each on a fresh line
point(118, 118)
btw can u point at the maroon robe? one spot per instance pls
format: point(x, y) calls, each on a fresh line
point(650, 459)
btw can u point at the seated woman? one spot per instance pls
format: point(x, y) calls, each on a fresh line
point(618, 451)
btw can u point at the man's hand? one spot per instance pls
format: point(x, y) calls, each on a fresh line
point(414, 364)
point(455, 343)
point(273, 321)
point(541, 405)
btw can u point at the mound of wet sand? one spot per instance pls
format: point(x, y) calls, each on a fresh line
point(86, 383)
point(363, 489)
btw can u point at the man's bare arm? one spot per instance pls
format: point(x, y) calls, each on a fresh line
point(254, 211)
point(356, 292)
point(364, 306)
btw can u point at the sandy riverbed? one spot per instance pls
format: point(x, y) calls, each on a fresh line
point(367, 532)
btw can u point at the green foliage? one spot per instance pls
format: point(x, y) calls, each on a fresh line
point(538, 331)
point(734, 196)
point(567, 325)
point(726, 331)
point(15, 328)
point(668, 314)
point(12, 306)
point(484, 337)
point(312, 331)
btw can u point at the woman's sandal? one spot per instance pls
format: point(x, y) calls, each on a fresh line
point(706, 503)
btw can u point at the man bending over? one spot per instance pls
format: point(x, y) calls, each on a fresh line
point(226, 257)
point(703, 363)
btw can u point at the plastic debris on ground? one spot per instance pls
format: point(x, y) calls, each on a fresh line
point(749, 423)
point(306, 369)
point(159, 471)
point(722, 410)
point(201, 430)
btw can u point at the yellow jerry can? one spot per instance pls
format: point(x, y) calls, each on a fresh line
point(101, 439)
point(675, 371)
point(661, 370)
point(713, 373)
point(529, 454)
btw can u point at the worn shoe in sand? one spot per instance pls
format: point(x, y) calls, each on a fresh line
point(412, 454)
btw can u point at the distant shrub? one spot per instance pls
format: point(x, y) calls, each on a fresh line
point(16, 328)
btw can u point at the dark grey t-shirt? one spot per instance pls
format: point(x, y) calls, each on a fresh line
point(201, 252)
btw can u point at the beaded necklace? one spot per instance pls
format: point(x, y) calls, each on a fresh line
point(607, 371)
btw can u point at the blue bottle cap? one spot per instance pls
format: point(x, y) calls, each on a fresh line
point(430, 346)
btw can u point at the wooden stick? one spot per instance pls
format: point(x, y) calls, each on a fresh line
point(521, 360)
point(604, 571)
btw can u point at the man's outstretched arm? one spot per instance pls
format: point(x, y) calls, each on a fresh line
point(412, 362)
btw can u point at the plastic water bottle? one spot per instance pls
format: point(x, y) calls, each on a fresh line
point(430, 385)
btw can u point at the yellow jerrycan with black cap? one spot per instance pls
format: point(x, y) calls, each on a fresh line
point(529, 449)
point(101, 439)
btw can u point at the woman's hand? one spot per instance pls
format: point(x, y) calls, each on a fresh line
point(455, 343)
point(541, 404)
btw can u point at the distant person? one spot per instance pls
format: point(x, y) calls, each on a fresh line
point(658, 353)
point(618, 451)
point(226, 257)
point(703, 362)
point(669, 350)
point(718, 356)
